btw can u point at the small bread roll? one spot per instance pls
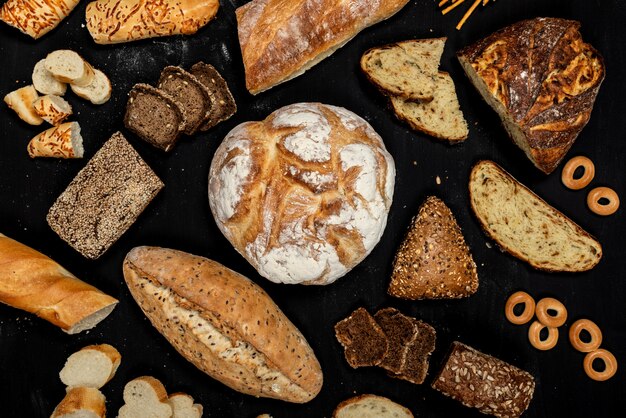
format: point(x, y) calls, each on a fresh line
point(53, 109)
point(98, 92)
point(92, 366)
point(45, 83)
point(145, 396)
point(81, 402)
point(21, 100)
point(69, 67)
point(63, 141)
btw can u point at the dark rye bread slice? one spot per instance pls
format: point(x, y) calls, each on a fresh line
point(400, 331)
point(363, 340)
point(104, 199)
point(223, 103)
point(419, 350)
point(486, 383)
point(433, 261)
point(191, 94)
point(527, 227)
point(154, 116)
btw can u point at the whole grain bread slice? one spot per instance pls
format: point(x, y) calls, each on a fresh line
point(418, 354)
point(223, 103)
point(401, 332)
point(527, 227)
point(363, 340)
point(433, 261)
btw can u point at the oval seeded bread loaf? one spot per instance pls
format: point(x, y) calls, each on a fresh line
point(527, 227)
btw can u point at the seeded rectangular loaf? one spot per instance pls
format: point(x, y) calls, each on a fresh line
point(486, 383)
point(104, 199)
point(223, 104)
point(525, 226)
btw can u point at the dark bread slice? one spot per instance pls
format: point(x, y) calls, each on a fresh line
point(433, 261)
point(154, 116)
point(418, 354)
point(363, 340)
point(401, 332)
point(486, 383)
point(223, 103)
point(191, 94)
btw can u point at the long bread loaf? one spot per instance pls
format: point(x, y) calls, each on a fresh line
point(36, 17)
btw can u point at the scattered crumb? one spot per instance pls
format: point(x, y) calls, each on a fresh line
point(438, 180)
point(414, 162)
point(488, 244)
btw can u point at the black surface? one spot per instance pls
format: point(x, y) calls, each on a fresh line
point(32, 351)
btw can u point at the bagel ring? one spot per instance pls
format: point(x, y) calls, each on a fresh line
point(529, 308)
point(593, 201)
point(592, 329)
point(567, 175)
point(546, 304)
point(610, 365)
point(534, 336)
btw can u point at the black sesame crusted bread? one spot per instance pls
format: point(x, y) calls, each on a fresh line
point(223, 104)
point(486, 383)
point(433, 261)
point(363, 340)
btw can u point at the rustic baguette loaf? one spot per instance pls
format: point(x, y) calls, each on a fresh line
point(36, 17)
point(525, 226)
point(115, 21)
point(223, 323)
point(280, 40)
point(35, 283)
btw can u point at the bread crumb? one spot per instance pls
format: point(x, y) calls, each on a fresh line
point(438, 180)
point(488, 244)
point(414, 162)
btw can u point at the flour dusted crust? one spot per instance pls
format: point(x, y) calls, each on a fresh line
point(304, 194)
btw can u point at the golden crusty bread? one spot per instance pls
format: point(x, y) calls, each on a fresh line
point(223, 323)
point(525, 226)
point(81, 402)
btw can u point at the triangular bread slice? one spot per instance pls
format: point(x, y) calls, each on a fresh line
point(370, 406)
point(145, 396)
point(92, 366)
point(405, 69)
point(81, 402)
point(441, 117)
point(363, 340)
point(183, 406)
point(525, 226)
point(433, 261)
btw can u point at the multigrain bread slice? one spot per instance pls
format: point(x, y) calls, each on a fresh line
point(21, 101)
point(53, 109)
point(223, 104)
point(145, 396)
point(418, 354)
point(154, 116)
point(192, 96)
point(92, 366)
point(370, 406)
point(405, 69)
point(363, 340)
point(81, 402)
point(45, 83)
point(183, 406)
point(401, 331)
point(69, 67)
point(98, 91)
point(433, 261)
point(527, 227)
point(441, 117)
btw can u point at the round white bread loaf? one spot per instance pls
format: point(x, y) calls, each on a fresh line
point(303, 195)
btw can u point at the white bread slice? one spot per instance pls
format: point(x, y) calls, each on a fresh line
point(405, 69)
point(441, 117)
point(98, 91)
point(21, 101)
point(370, 406)
point(53, 109)
point(63, 141)
point(145, 397)
point(81, 402)
point(69, 67)
point(183, 406)
point(92, 366)
point(45, 83)
point(525, 226)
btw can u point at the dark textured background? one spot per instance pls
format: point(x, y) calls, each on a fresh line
point(32, 352)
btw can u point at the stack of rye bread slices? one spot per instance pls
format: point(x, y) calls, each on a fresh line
point(184, 103)
point(421, 95)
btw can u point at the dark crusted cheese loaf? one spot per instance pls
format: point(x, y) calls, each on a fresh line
point(223, 104)
point(542, 79)
point(527, 227)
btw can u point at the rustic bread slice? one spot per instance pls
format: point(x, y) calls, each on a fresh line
point(92, 366)
point(98, 91)
point(370, 406)
point(21, 101)
point(145, 396)
point(44, 82)
point(223, 104)
point(81, 402)
point(405, 69)
point(363, 340)
point(433, 261)
point(401, 332)
point(441, 117)
point(418, 354)
point(525, 226)
point(69, 67)
point(183, 406)
point(53, 109)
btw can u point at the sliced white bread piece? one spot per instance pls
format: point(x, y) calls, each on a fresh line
point(441, 117)
point(145, 397)
point(81, 402)
point(92, 366)
point(69, 67)
point(98, 91)
point(405, 69)
point(525, 226)
point(45, 83)
point(370, 406)
point(183, 406)
point(53, 109)
point(21, 101)
point(63, 141)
